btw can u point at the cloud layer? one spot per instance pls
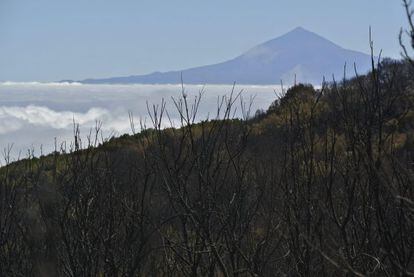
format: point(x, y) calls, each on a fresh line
point(34, 114)
point(15, 118)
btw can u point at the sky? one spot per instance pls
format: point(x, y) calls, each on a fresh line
point(52, 40)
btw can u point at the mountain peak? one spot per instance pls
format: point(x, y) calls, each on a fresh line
point(297, 39)
point(302, 33)
point(299, 29)
point(300, 53)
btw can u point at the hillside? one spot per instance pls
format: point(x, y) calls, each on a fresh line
point(320, 184)
point(300, 52)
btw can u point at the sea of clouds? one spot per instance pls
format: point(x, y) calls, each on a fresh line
point(34, 117)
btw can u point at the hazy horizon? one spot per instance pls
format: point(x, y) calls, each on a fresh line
point(49, 40)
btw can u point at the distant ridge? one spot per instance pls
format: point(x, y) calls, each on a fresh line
point(299, 53)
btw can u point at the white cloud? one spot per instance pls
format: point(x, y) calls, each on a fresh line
point(33, 114)
point(14, 118)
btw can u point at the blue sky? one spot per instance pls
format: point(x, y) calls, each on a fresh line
point(49, 40)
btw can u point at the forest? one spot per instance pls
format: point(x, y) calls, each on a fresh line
point(320, 184)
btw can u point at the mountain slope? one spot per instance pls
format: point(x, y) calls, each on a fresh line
point(299, 53)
